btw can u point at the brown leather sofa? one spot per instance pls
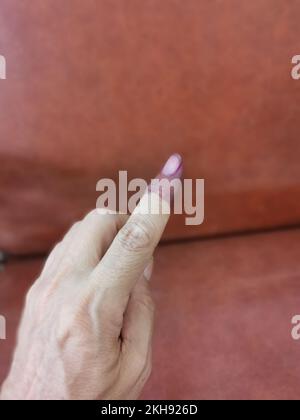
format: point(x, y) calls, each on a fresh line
point(94, 87)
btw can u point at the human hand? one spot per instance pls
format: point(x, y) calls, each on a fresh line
point(86, 330)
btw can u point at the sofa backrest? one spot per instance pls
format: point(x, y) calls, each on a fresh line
point(96, 87)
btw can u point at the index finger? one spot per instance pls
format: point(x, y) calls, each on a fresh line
point(133, 246)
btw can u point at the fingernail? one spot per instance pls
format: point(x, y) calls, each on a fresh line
point(171, 171)
point(173, 166)
point(148, 271)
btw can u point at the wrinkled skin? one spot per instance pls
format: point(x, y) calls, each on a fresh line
point(86, 329)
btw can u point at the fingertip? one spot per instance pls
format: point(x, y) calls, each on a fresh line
point(168, 182)
point(173, 167)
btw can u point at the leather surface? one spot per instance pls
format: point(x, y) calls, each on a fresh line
point(98, 86)
point(223, 321)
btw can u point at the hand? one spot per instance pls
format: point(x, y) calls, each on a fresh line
point(87, 325)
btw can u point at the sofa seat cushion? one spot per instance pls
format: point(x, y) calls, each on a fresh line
point(223, 324)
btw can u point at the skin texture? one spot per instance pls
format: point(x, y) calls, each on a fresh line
point(86, 330)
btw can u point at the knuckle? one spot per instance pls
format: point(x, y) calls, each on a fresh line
point(31, 296)
point(33, 300)
point(147, 303)
point(68, 262)
point(92, 216)
point(70, 234)
point(143, 369)
point(55, 250)
point(147, 371)
point(140, 363)
point(136, 236)
point(73, 229)
point(105, 311)
point(71, 323)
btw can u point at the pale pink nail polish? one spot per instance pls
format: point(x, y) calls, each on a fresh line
point(171, 171)
point(173, 166)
